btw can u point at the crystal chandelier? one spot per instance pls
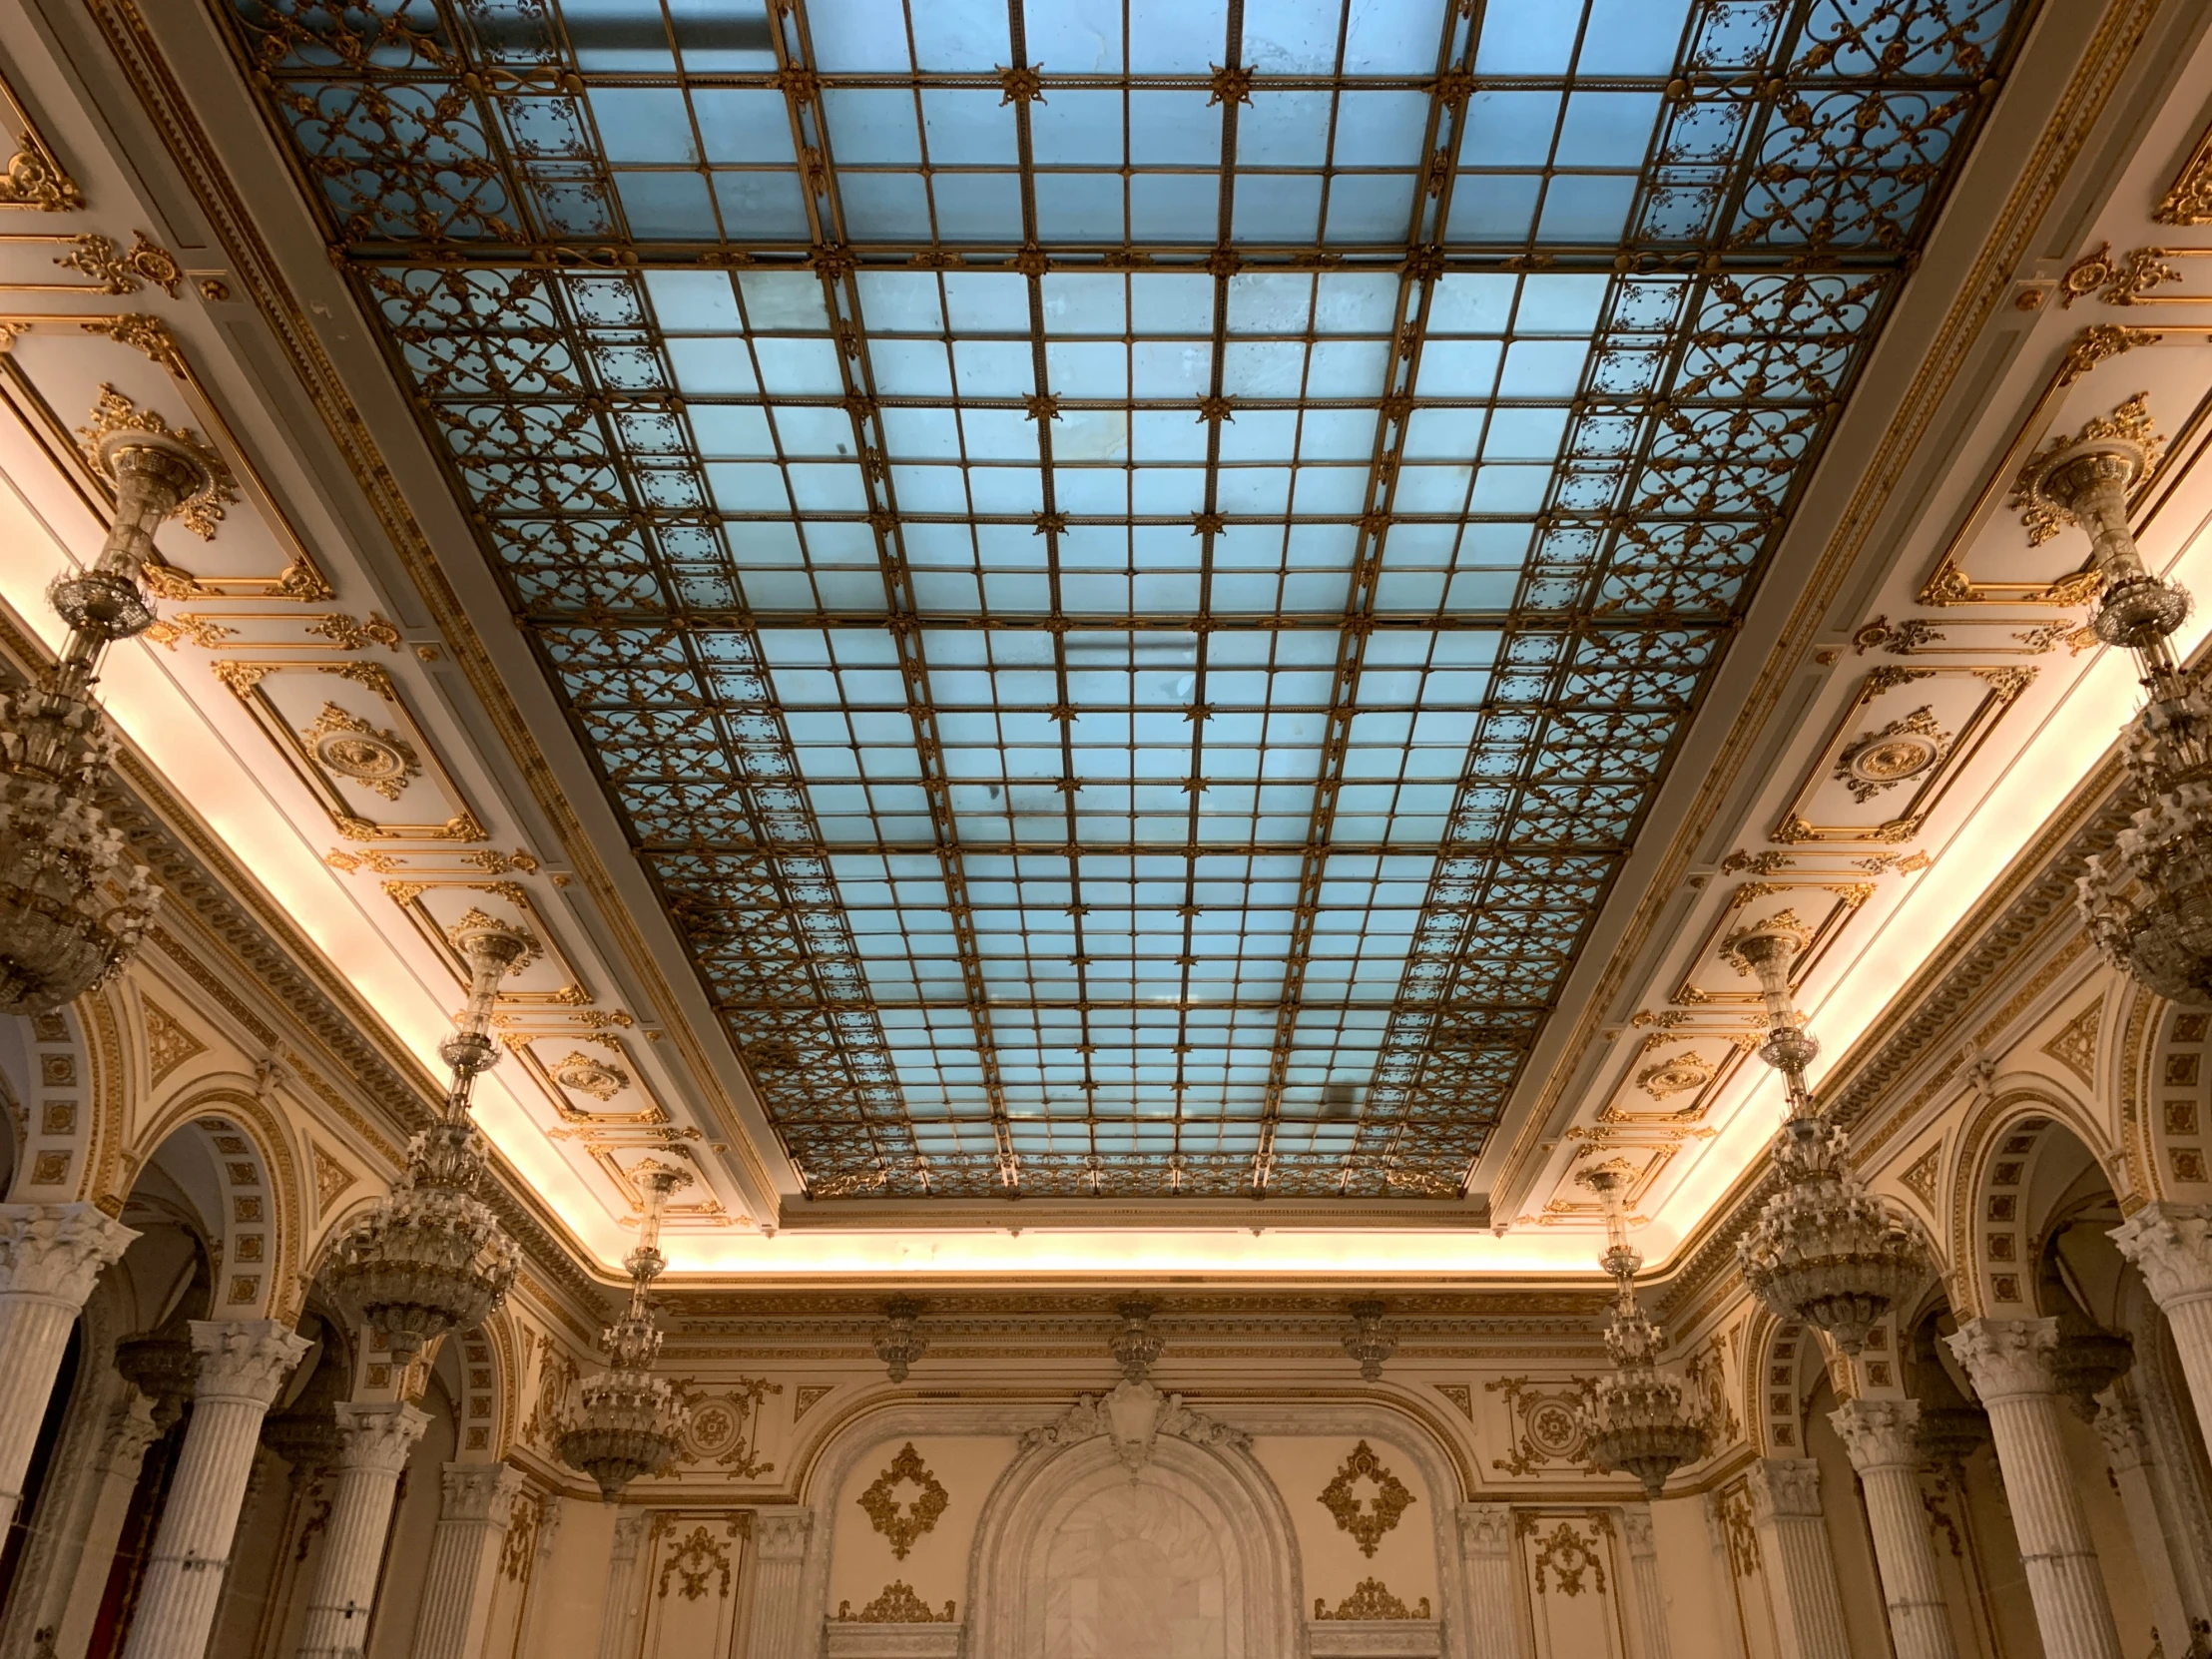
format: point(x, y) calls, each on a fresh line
point(899, 1341)
point(1823, 1250)
point(431, 1257)
point(630, 1423)
point(1367, 1341)
point(74, 903)
point(2149, 900)
point(1635, 1417)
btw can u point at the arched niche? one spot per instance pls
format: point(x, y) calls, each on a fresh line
point(2018, 1150)
point(64, 1070)
point(251, 1198)
point(1187, 1556)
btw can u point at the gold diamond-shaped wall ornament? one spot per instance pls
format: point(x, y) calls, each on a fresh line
point(1366, 1515)
point(904, 1523)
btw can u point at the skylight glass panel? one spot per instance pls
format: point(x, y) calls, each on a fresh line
point(1132, 594)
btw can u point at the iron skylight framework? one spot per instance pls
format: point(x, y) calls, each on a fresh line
point(1132, 566)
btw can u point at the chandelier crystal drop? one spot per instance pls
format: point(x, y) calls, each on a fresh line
point(2147, 902)
point(1823, 1251)
point(630, 1423)
point(74, 903)
point(431, 1257)
point(1635, 1418)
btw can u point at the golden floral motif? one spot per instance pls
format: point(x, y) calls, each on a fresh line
point(694, 1561)
point(121, 272)
point(587, 1074)
point(115, 413)
point(903, 1523)
point(1569, 1558)
point(1885, 758)
point(349, 746)
point(1686, 1071)
point(899, 1605)
point(1371, 1598)
point(1366, 1518)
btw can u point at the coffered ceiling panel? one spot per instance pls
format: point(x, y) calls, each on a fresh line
point(1133, 570)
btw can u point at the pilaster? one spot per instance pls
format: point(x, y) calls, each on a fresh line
point(1800, 1570)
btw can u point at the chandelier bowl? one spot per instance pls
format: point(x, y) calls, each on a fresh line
point(432, 1257)
point(629, 1424)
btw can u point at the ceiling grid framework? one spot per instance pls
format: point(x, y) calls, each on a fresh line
point(1134, 637)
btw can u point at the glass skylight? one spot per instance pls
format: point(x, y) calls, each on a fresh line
point(1132, 575)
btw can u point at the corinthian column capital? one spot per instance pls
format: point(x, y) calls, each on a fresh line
point(243, 1360)
point(1879, 1433)
point(379, 1437)
point(2171, 1245)
point(1784, 1486)
point(1486, 1529)
point(2008, 1359)
point(480, 1492)
point(780, 1534)
point(55, 1250)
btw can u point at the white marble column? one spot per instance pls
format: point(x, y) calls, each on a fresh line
point(50, 1254)
point(1643, 1561)
point(1800, 1568)
point(780, 1625)
point(622, 1586)
point(1486, 1555)
point(1879, 1434)
point(74, 1592)
point(243, 1366)
point(2171, 1245)
point(374, 1444)
point(2127, 1450)
point(465, 1560)
point(2009, 1364)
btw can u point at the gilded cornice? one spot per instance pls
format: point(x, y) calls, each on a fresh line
point(2010, 242)
point(139, 56)
point(214, 898)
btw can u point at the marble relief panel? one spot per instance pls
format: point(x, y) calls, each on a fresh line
point(1135, 1572)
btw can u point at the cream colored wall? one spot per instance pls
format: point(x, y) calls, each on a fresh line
point(862, 1564)
point(1332, 1562)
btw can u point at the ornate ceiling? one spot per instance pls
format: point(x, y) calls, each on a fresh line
point(1131, 571)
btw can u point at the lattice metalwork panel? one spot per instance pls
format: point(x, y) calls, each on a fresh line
point(1131, 565)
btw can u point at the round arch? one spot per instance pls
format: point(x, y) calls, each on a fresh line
point(262, 1219)
point(1222, 1495)
point(66, 1070)
point(2006, 1155)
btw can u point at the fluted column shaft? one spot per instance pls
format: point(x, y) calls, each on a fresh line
point(1643, 1561)
point(779, 1563)
point(242, 1364)
point(1800, 1568)
point(464, 1558)
point(2009, 1363)
point(1487, 1552)
point(373, 1444)
point(622, 1578)
point(50, 1255)
point(2171, 1244)
point(2127, 1453)
point(1879, 1434)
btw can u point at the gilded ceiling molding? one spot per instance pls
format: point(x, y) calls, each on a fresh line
point(347, 431)
point(33, 177)
point(232, 919)
point(2188, 200)
point(2103, 61)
